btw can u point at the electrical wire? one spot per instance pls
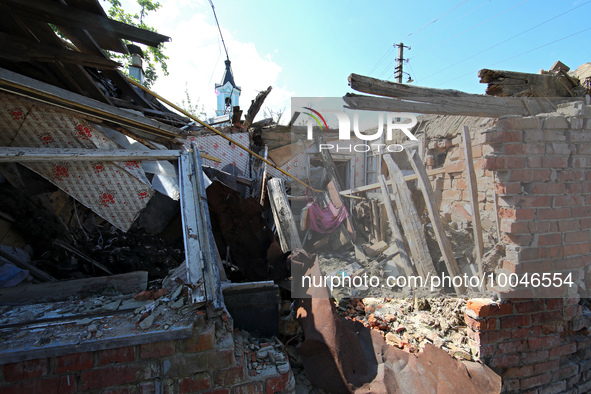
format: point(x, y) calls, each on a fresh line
point(504, 41)
point(385, 56)
point(470, 29)
point(220, 30)
point(381, 60)
point(452, 22)
point(521, 54)
point(434, 20)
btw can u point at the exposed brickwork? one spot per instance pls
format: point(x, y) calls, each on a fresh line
point(199, 364)
point(532, 344)
point(541, 165)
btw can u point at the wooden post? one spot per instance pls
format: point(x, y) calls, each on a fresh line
point(396, 234)
point(411, 222)
point(473, 185)
point(431, 202)
point(286, 227)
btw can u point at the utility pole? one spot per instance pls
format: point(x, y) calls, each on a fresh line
point(398, 70)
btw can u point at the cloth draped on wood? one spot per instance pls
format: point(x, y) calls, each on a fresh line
point(325, 220)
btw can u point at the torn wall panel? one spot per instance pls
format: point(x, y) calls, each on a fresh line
point(116, 191)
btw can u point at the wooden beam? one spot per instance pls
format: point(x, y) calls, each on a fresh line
point(396, 234)
point(411, 222)
point(108, 40)
point(431, 202)
point(60, 14)
point(473, 186)
point(374, 186)
point(19, 84)
point(511, 83)
point(132, 282)
point(398, 90)
point(328, 163)
point(484, 106)
point(255, 106)
point(17, 49)
point(286, 226)
point(28, 155)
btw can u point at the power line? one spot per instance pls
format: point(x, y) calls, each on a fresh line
point(380, 61)
point(504, 41)
point(521, 54)
point(435, 20)
point(452, 22)
point(219, 29)
point(470, 29)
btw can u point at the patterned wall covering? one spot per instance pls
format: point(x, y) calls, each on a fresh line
point(116, 191)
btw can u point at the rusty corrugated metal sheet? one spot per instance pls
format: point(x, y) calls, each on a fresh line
point(342, 356)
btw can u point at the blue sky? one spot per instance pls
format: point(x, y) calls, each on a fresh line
point(308, 48)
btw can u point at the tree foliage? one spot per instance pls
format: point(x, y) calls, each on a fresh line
point(152, 56)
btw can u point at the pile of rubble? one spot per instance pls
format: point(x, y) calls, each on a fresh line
point(412, 323)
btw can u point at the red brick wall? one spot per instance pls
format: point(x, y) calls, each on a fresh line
point(194, 365)
point(535, 341)
point(531, 343)
point(544, 184)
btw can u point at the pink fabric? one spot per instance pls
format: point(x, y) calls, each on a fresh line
point(325, 221)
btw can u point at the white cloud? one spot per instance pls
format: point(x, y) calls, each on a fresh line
point(197, 57)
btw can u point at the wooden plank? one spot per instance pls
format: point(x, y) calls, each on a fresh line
point(485, 106)
point(63, 15)
point(396, 234)
point(283, 216)
point(431, 202)
point(473, 186)
point(411, 222)
point(328, 163)
point(132, 282)
point(29, 155)
point(40, 91)
point(374, 186)
point(213, 262)
point(375, 220)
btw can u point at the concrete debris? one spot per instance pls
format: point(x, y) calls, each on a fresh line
point(147, 322)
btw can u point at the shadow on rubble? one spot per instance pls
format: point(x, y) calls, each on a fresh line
point(343, 356)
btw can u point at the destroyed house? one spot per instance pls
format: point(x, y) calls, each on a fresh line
point(144, 250)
